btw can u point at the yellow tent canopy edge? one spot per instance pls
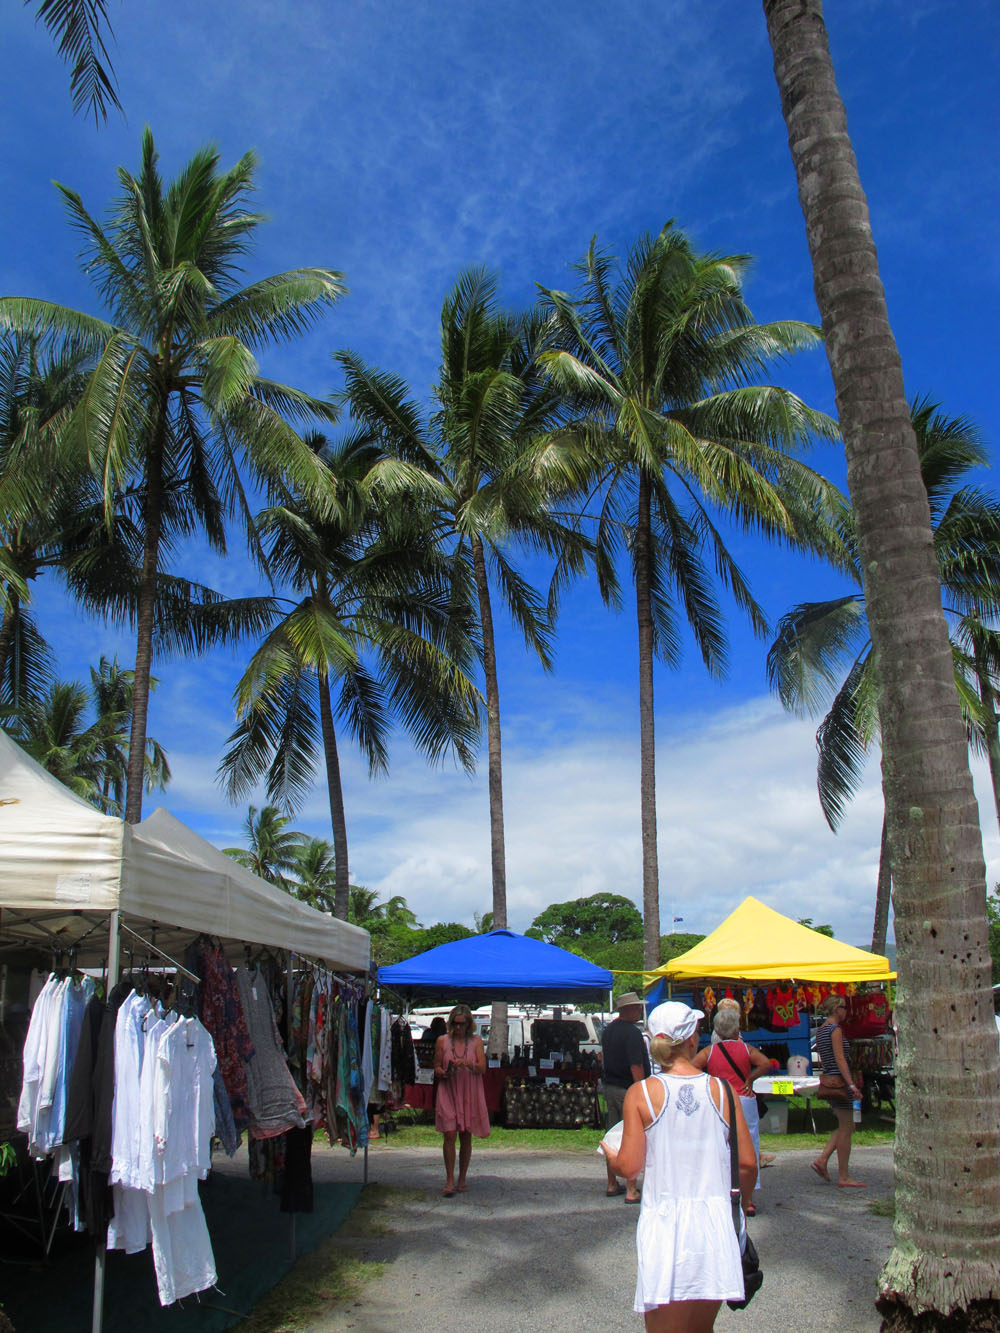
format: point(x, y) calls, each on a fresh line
point(756, 943)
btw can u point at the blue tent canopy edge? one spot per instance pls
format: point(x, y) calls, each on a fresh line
point(500, 965)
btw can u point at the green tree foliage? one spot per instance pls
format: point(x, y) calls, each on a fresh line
point(603, 918)
point(273, 849)
point(79, 27)
point(820, 930)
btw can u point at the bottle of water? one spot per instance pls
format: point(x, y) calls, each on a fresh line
point(857, 1110)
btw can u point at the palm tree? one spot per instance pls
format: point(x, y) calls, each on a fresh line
point(374, 618)
point(661, 359)
point(55, 732)
point(44, 495)
point(176, 397)
point(316, 873)
point(492, 408)
point(824, 648)
point(273, 849)
point(947, 1244)
point(111, 694)
point(496, 484)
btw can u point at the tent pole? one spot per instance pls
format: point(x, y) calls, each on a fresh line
point(101, 1255)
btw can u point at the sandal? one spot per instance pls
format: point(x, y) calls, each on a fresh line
point(613, 1194)
point(821, 1171)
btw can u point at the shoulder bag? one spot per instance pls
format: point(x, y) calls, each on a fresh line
point(753, 1275)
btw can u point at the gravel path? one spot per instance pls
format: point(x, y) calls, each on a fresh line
point(534, 1245)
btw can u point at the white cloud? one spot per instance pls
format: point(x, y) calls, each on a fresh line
point(737, 814)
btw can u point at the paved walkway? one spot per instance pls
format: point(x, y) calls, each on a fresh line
point(536, 1246)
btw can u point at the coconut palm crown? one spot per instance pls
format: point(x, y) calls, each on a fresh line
point(176, 404)
point(662, 360)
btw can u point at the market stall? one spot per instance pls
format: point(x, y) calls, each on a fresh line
point(779, 971)
point(545, 1086)
point(79, 888)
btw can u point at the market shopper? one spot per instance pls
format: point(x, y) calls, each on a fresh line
point(836, 1085)
point(677, 1126)
point(460, 1108)
point(624, 1061)
point(737, 1063)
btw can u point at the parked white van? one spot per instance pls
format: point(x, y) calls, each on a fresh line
point(585, 1032)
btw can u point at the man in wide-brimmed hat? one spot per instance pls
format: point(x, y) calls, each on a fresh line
point(625, 1061)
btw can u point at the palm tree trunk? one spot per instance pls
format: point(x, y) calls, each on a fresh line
point(153, 513)
point(883, 893)
point(947, 1232)
point(988, 699)
point(335, 791)
point(647, 737)
point(497, 1044)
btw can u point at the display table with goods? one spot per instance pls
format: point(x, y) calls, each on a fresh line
point(515, 1089)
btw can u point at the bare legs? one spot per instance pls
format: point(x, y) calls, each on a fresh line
point(448, 1148)
point(839, 1142)
point(464, 1157)
point(683, 1317)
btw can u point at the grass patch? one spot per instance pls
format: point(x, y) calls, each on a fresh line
point(883, 1207)
point(336, 1272)
point(519, 1140)
point(862, 1138)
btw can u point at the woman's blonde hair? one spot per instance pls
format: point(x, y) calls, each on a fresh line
point(461, 1011)
point(665, 1050)
point(831, 1004)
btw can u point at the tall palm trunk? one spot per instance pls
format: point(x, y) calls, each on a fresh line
point(152, 518)
point(883, 892)
point(947, 1251)
point(498, 858)
point(647, 736)
point(335, 791)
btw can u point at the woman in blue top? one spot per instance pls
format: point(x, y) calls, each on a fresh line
point(837, 1086)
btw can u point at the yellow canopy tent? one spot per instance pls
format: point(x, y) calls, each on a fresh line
point(756, 943)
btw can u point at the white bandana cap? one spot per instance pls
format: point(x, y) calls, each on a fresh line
point(674, 1020)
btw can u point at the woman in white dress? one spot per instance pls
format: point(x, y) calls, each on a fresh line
point(677, 1127)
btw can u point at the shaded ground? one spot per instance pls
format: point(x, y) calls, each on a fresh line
point(536, 1246)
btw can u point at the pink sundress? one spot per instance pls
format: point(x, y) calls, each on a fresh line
point(461, 1098)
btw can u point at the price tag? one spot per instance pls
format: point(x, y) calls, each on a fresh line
point(552, 1083)
point(546, 1064)
point(782, 1087)
point(532, 1071)
point(494, 1062)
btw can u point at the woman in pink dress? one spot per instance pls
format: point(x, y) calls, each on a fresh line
point(460, 1110)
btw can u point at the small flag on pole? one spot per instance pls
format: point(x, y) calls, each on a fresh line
point(678, 918)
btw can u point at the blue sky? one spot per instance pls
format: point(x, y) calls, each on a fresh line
point(398, 143)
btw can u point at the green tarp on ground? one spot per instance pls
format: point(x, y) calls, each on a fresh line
point(251, 1240)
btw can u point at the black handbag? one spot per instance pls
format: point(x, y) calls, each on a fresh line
point(753, 1275)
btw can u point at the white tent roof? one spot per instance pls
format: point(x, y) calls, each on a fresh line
point(64, 866)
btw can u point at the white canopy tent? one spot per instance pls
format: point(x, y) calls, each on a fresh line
point(71, 878)
point(64, 867)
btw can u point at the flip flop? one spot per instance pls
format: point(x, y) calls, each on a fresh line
point(637, 1199)
point(613, 1194)
point(750, 1210)
point(851, 1185)
point(821, 1171)
point(461, 1189)
point(447, 1193)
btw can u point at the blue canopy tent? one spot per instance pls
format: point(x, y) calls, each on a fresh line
point(501, 965)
